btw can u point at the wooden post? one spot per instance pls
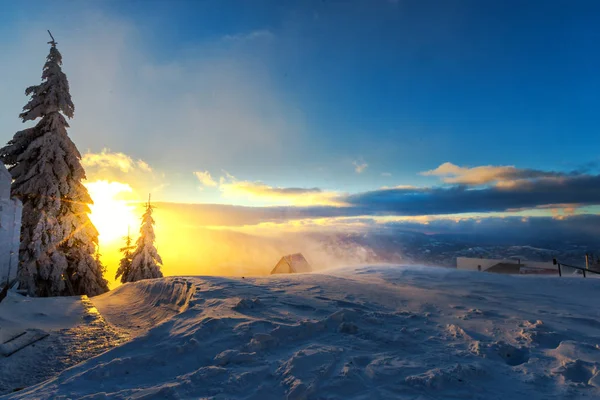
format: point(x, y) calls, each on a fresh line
point(587, 260)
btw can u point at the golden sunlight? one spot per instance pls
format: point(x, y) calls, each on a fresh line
point(111, 215)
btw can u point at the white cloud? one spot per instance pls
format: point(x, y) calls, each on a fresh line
point(261, 34)
point(205, 178)
point(121, 170)
point(451, 173)
point(401, 187)
point(505, 176)
point(108, 159)
point(360, 166)
point(144, 166)
point(233, 188)
point(226, 177)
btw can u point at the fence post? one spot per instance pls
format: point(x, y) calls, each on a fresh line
point(583, 272)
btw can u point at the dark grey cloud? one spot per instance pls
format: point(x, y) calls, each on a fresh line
point(580, 190)
point(231, 215)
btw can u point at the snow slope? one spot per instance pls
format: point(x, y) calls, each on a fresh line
point(76, 332)
point(360, 333)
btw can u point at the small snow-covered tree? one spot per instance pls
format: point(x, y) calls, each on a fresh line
point(125, 263)
point(99, 261)
point(145, 261)
point(58, 240)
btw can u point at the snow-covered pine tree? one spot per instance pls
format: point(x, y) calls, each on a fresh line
point(145, 261)
point(125, 263)
point(58, 240)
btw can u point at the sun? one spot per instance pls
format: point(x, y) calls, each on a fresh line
point(111, 215)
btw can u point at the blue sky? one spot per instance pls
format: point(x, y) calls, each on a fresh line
point(428, 81)
point(324, 103)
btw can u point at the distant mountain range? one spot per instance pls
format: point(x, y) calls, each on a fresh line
point(442, 250)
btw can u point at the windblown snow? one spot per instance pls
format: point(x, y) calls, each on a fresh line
point(360, 333)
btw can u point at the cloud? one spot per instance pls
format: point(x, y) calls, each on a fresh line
point(400, 187)
point(121, 170)
point(144, 166)
point(226, 177)
point(360, 166)
point(232, 188)
point(205, 178)
point(108, 159)
point(581, 189)
point(261, 34)
point(501, 175)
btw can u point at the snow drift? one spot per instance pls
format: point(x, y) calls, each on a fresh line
point(362, 333)
point(138, 307)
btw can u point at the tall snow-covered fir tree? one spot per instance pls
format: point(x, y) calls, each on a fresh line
point(125, 263)
point(58, 240)
point(145, 261)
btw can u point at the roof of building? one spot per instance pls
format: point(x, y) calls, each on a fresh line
point(505, 268)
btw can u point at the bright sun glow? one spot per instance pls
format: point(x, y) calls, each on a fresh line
point(111, 215)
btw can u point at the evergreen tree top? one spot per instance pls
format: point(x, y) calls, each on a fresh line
point(52, 95)
point(147, 228)
point(128, 247)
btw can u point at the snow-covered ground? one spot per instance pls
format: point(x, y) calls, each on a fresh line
point(362, 333)
point(76, 332)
